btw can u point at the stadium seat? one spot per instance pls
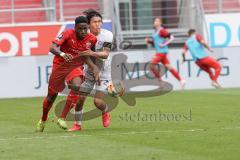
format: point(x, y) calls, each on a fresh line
point(73, 8)
point(227, 6)
point(20, 16)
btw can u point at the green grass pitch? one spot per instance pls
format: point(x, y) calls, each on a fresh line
point(206, 127)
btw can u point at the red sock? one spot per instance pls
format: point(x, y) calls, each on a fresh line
point(175, 74)
point(156, 74)
point(71, 102)
point(46, 108)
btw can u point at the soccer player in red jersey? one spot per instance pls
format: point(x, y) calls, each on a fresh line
point(196, 45)
point(161, 38)
point(101, 59)
point(68, 65)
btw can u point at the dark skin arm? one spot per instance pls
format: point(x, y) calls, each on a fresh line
point(94, 69)
point(103, 54)
point(54, 49)
point(100, 54)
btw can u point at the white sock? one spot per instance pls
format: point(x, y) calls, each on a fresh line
point(106, 109)
point(78, 117)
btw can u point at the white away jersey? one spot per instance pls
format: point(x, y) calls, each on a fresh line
point(104, 39)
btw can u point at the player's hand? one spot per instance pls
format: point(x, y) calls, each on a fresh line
point(161, 45)
point(67, 57)
point(96, 75)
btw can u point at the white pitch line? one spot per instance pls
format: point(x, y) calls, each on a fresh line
point(117, 134)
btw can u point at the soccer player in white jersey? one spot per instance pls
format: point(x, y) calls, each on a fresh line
point(102, 61)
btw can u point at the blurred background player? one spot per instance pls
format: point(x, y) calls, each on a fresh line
point(195, 44)
point(102, 60)
point(66, 66)
point(160, 40)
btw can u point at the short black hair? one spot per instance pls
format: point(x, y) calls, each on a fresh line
point(81, 19)
point(191, 31)
point(90, 13)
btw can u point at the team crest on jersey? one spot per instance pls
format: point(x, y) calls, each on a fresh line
point(100, 43)
point(88, 45)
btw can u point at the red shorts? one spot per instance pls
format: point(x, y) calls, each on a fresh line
point(160, 57)
point(208, 62)
point(62, 73)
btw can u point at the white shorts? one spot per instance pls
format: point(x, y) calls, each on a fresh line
point(89, 86)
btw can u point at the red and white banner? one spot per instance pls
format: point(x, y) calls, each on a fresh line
point(27, 40)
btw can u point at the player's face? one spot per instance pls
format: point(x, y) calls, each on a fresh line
point(157, 23)
point(95, 25)
point(81, 30)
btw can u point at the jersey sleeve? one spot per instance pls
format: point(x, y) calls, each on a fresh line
point(164, 33)
point(108, 40)
point(199, 37)
point(61, 38)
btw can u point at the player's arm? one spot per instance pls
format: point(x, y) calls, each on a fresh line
point(55, 46)
point(184, 52)
point(102, 54)
point(54, 49)
point(107, 45)
point(201, 40)
point(94, 69)
point(164, 33)
point(206, 45)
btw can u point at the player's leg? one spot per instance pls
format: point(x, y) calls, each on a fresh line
point(78, 114)
point(74, 79)
point(71, 101)
point(85, 89)
point(153, 66)
point(212, 63)
point(56, 83)
point(47, 105)
point(101, 105)
point(166, 63)
point(205, 68)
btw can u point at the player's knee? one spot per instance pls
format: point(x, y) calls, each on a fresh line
point(98, 102)
point(82, 98)
point(51, 98)
point(74, 87)
point(218, 67)
point(152, 66)
point(79, 106)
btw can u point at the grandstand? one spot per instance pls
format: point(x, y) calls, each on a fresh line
point(132, 19)
point(16, 11)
